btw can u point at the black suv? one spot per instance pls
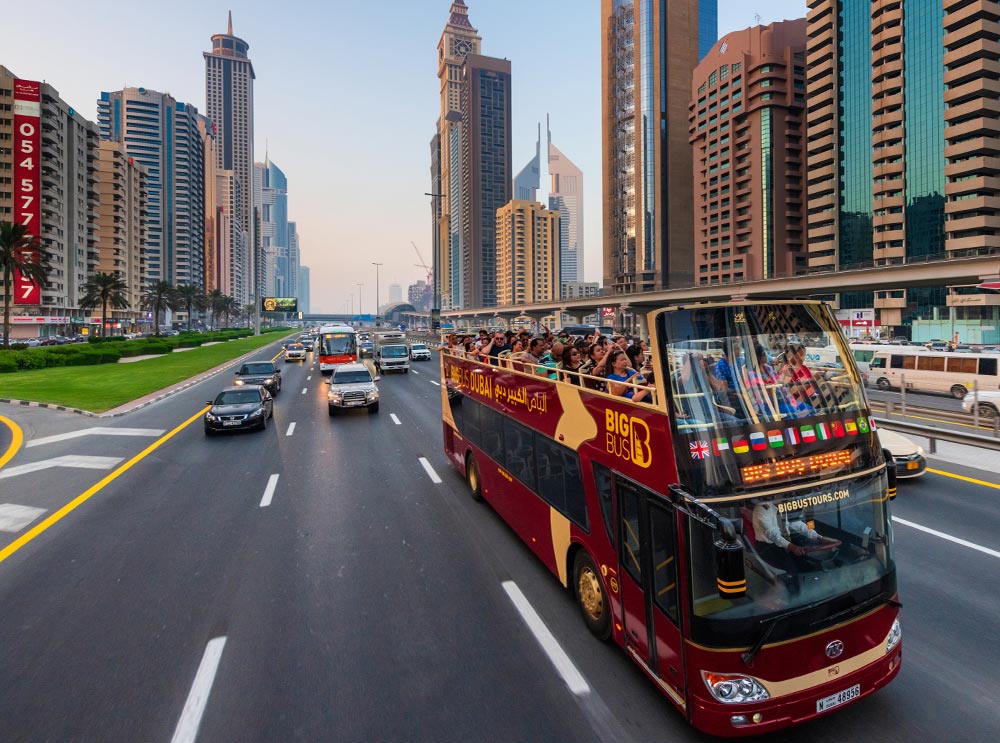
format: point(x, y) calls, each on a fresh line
point(264, 373)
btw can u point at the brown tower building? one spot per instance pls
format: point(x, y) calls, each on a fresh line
point(648, 53)
point(746, 128)
point(528, 258)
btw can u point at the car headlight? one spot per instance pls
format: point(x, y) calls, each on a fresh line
point(372, 395)
point(921, 452)
point(257, 413)
point(269, 380)
point(334, 395)
point(239, 381)
point(895, 635)
point(210, 417)
point(732, 688)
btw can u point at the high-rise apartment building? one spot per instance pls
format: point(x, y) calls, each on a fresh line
point(527, 262)
point(395, 293)
point(230, 237)
point(486, 171)
point(903, 148)
point(229, 80)
point(210, 171)
point(294, 259)
point(458, 40)
point(271, 200)
point(120, 224)
point(163, 135)
point(419, 295)
point(648, 53)
point(746, 127)
point(62, 148)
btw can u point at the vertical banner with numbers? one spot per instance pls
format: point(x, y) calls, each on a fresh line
point(27, 177)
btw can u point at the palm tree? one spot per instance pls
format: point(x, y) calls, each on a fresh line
point(248, 313)
point(229, 309)
point(190, 297)
point(103, 289)
point(20, 253)
point(216, 300)
point(158, 297)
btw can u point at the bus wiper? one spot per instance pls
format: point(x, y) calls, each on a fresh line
point(771, 623)
point(858, 608)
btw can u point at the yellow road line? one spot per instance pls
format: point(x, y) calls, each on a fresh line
point(28, 536)
point(15, 445)
point(964, 478)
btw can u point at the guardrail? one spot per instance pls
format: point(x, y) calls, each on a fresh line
point(889, 408)
point(933, 435)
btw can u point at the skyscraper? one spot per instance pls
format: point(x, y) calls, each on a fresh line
point(294, 260)
point(229, 80)
point(271, 200)
point(121, 214)
point(527, 264)
point(903, 149)
point(304, 293)
point(566, 197)
point(163, 135)
point(529, 179)
point(458, 39)
point(648, 53)
point(746, 124)
point(486, 171)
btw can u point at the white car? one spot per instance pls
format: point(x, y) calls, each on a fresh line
point(988, 403)
point(295, 352)
point(420, 351)
point(909, 457)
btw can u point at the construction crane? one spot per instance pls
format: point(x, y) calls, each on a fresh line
point(423, 265)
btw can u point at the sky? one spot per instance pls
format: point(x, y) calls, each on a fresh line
point(346, 99)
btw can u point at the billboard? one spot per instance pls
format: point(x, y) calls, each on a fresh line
point(27, 177)
point(279, 304)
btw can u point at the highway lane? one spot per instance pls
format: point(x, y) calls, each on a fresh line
point(352, 609)
point(366, 600)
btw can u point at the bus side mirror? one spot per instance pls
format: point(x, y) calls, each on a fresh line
point(890, 470)
point(730, 570)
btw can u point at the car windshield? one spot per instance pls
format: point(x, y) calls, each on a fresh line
point(262, 368)
point(238, 397)
point(295, 347)
point(351, 377)
point(845, 534)
point(394, 352)
point(418, 347)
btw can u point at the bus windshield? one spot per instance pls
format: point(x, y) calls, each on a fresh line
point(337, 344)
point(747, 408)
point(845, 536)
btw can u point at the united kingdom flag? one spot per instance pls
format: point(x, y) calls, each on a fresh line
point(700, 450)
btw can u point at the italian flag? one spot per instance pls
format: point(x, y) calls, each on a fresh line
point(822, 431)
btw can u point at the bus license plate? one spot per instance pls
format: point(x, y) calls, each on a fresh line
point(835, 700)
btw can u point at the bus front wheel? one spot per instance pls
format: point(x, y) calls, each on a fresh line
point(959, 392)
point(472, 477)
point(590, 595)
point(883, 384)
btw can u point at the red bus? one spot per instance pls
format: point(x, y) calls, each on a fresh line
point(337, 344)
point(734, 539)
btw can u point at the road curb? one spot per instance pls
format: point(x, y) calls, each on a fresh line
point(133, 406)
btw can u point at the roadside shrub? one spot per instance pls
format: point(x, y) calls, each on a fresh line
point(155, 348)
point(27, 360)
point(7, 364)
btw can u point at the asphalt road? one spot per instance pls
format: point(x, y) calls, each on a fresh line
point(359, 600)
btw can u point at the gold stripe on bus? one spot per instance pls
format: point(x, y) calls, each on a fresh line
point(789, 488)
point(559, 525)
point(667, 688)
point(576, 425)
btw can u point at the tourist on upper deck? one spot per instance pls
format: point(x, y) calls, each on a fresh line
point(622, 371)
point(496, 346)
point(572, 361)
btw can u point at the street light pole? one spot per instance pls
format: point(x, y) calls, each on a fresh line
point(360, 313)
point(378, 322)
point(436, 289)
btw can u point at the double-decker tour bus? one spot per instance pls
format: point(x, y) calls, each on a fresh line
point(731, 531)
point(338, 344)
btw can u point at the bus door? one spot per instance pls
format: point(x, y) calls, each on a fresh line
point(649, 594)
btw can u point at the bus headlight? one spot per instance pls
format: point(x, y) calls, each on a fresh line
point(731, 688)
point(895, 635)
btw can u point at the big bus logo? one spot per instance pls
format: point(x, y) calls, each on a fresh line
point(627, 437)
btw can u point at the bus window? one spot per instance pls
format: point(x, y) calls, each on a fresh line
point(931, 363)
point(628, 502)
point(664, 564)
point(520, 459)
point(961, 366)
point(988, 367)
point(904, 362)
point(559, 481)
point(602, 482)
point(492, 433)
point(878, 362)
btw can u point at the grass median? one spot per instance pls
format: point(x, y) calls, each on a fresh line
point(106, 386)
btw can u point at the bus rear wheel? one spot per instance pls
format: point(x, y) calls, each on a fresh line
point(472, 477)
point(959, 392)
point(590, 595)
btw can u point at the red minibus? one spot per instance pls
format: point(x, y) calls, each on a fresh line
point(734, 539)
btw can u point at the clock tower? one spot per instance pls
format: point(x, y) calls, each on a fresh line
point(458, 40)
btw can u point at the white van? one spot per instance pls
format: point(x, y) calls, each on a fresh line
point(928, 371)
